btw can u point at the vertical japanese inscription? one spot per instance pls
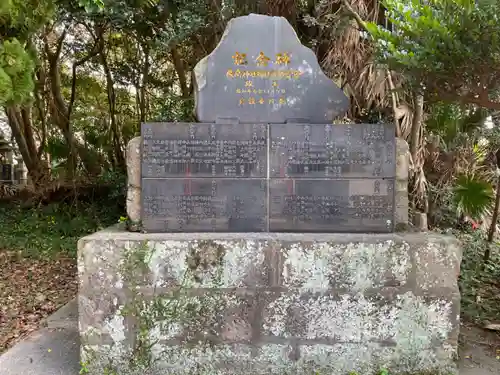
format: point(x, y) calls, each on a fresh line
point(204, 205)
point(204, 177)
point(261, 85)
point(342, 205)
point(331, 177)
point(332, 151)
point(204, 150)
point(317, 177)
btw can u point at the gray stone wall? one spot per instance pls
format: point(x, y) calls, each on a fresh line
point(268, 303)
point(401, 219)
point(133, 154)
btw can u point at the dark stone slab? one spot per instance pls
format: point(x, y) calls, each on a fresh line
point(332, 151)
point(260, 72)
point(204, 205)
point(6, 172)
point(204, 150)
point(355, 205)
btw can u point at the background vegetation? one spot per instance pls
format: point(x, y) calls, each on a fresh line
point(77, 77)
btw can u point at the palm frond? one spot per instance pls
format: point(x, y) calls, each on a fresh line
point(473, 196)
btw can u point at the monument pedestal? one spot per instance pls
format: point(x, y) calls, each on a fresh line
point(268, 303)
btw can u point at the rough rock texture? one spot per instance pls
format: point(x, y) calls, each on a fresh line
point(401, 191)
point(268, 303)
point(134, 179)
point(305, 92)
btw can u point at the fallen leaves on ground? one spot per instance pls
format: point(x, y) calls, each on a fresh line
point(30, 290)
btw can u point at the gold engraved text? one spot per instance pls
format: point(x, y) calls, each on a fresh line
point(262, 60)
point(282, 58)
point(270, 74)
point(254, 101)
point(240, 58)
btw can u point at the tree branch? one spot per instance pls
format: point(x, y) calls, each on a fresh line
point(94, 51)
point(179, 68)
point(361, 23)
point(394, 103)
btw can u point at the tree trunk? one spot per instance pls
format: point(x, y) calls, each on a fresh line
point(493, 226)
point(181, 73)
point(120, 157)
point(395, 104)
point(143, 107)
point(416, 125)
point(61, 110)
point(22, 132)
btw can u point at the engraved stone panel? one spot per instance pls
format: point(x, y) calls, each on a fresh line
point(260, 72)
point(204, 205)
point(204, 150)
point(344, 205)
point(6, 174)
point(332, 151)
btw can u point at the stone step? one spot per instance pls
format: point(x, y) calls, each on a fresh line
point(64, 318)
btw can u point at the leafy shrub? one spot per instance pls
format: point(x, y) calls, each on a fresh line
point(479, 282)
point(472, 196)
point(54, 228)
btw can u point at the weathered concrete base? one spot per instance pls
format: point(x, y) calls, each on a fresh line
point(268, 303)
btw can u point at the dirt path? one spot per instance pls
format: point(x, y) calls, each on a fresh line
point(479, 351)
point(30, 290)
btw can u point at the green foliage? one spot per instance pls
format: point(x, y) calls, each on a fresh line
point(176, 109)
point(54, 228)
point(18, 20)
point(473, 196)
point(118, 182)
point(478, 286)
point(450, 120)
point(447, 47)
point(91, 5)
point(16, 71)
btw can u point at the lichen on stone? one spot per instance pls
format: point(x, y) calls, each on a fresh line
point(355, 266)
point(208, 306)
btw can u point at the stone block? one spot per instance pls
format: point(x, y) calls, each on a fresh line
point(347, 265)
point(402, 216)
point(130, 260)
point(402, 159)
point(363, 358)
point(401, 191)
point(437, 265)
point(391, 317)
point(239, 303)
point(133, 154)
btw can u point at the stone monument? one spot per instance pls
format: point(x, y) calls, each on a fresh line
point(224, 275)
point(265, 156)
point(6, 162)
